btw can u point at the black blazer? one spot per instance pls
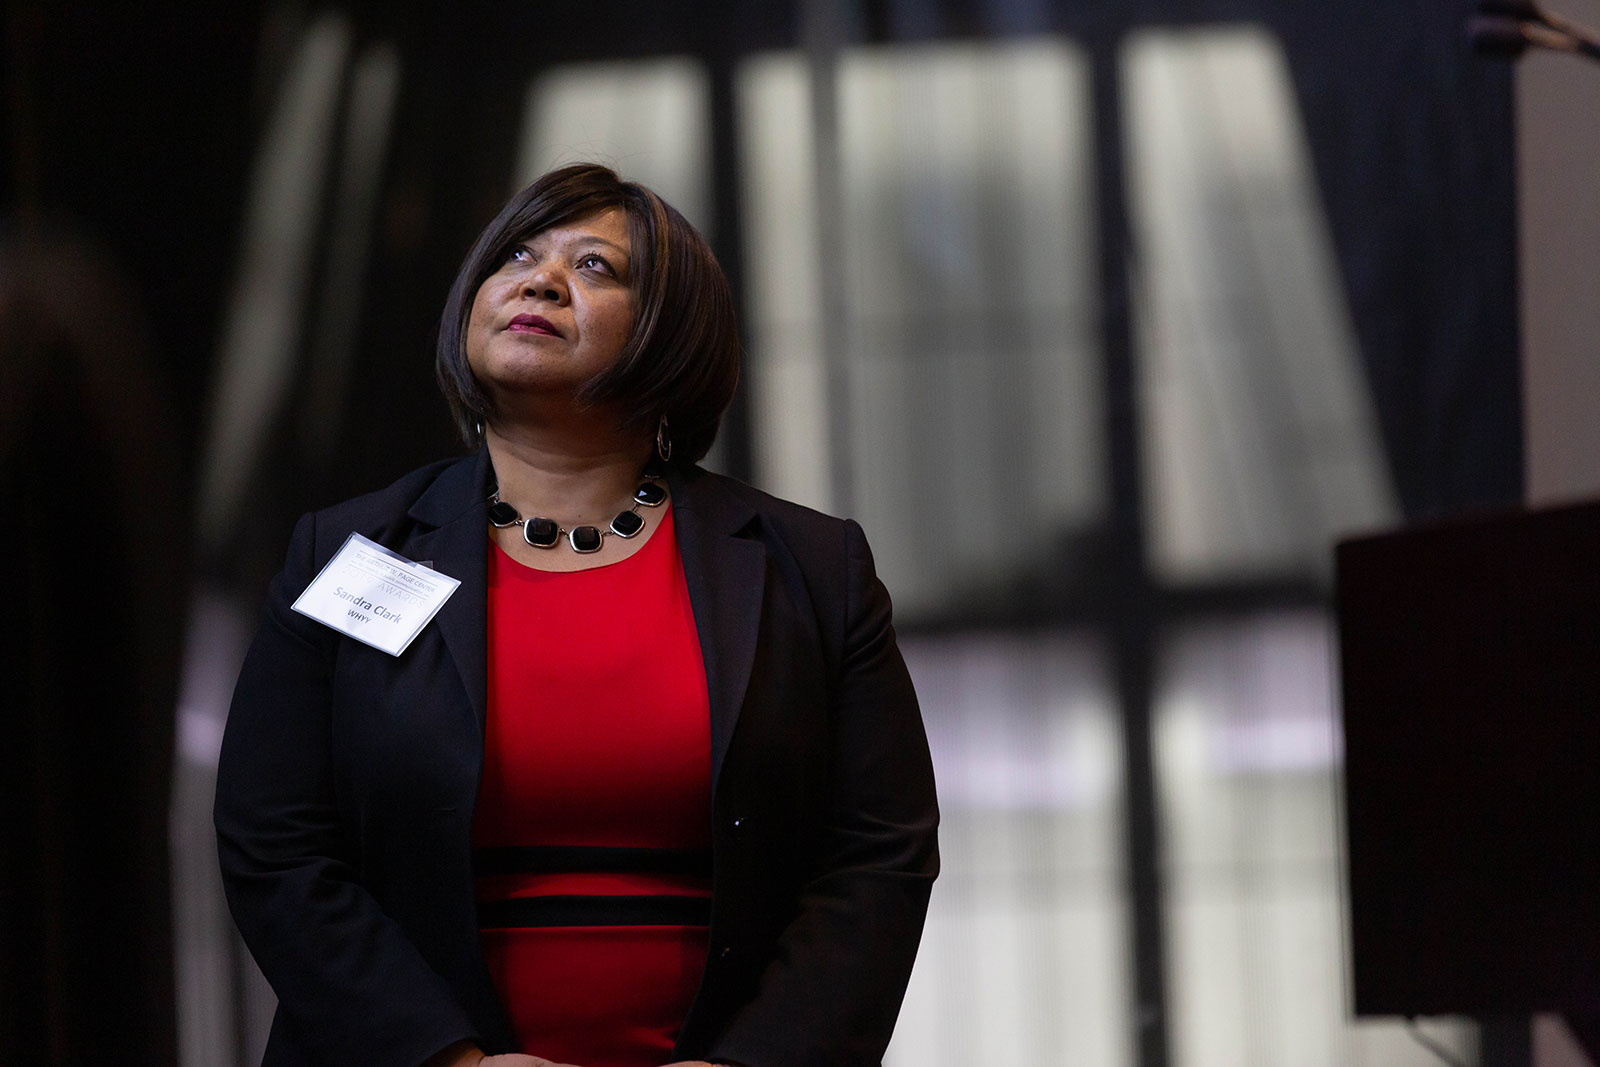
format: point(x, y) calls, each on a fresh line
point(348, 777)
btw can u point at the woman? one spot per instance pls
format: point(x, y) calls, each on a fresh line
point(652, 785)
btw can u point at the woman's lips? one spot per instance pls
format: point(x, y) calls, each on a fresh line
point(533, 324)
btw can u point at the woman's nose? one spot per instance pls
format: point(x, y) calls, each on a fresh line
point(546, 284)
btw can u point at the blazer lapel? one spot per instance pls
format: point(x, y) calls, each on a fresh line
point(726, 576)
point(458, 545)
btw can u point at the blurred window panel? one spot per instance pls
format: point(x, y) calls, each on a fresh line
point(223, 1004)
point(274, 276)
point(964, 348)
point(369, 119)
point(1260, 443)
point(786, 374)
point(1247, 751)
point(1024, 956)
point(648, 119)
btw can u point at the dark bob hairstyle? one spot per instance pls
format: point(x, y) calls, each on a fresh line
point(682, 358)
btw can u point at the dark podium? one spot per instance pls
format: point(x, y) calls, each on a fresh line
point(1470, 654)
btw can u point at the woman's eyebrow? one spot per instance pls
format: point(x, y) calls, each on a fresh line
point(581, 238)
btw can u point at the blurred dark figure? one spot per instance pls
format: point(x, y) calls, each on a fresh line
point(93, 533)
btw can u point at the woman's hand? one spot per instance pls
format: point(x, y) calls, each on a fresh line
point(466, 1054)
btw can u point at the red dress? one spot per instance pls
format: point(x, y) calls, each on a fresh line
point(592, 834)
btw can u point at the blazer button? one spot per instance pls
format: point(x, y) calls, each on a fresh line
point(739, 822)
point(725, 952)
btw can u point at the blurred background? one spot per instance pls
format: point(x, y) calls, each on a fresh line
point(1105, 318)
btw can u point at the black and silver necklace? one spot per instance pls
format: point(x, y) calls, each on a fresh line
point(545, 533)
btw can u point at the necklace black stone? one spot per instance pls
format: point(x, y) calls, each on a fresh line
point(544, 533)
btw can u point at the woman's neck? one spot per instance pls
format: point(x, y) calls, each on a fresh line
point(571, 475)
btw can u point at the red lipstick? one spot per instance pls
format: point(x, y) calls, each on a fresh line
point(533, 324)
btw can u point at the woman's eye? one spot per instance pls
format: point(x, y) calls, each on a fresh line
point(595, 263)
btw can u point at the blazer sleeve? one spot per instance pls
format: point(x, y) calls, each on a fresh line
point(831, 995)
point(351, 986)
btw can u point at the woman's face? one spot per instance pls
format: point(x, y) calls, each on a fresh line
point(557, 312)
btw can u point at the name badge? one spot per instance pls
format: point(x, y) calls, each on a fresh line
point(378, 597)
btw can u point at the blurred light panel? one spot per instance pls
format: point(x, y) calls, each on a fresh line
point(787, 374)
point(1260, 442)
point(648, 119)
point(967, 351)
point(256, 358)
point(1024, 956)
point(369, 120)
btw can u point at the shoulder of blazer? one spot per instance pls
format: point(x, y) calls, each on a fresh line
point(820, 558)
point(734, 507)
point(427, 497)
